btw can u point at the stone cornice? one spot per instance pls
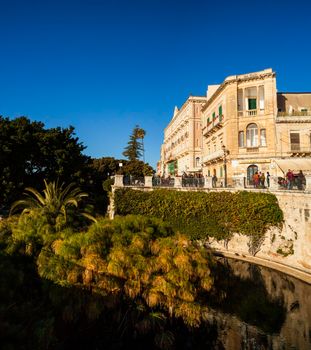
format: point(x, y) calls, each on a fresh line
point(237, 79)
point(190, 99)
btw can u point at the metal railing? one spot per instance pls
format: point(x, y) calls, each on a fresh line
point(129, 180)
point(192, 182)
point(158, 181)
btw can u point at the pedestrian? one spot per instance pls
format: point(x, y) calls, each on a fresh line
point(290, 179)
point(256, 179)
point(268, 179)
point(301, 180)
point(262, 180)
point(214, 180)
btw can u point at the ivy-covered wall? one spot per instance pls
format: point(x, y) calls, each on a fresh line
point(201, 215)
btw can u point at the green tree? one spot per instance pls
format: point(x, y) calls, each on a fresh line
point(53, 203)
point(134, 147)
point(30, 153)
point(141, 133)
point(137, 168)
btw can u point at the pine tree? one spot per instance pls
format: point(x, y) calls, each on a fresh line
point(134, 147)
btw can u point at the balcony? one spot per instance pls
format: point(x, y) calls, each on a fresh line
point(213, 157)
point(296, 150)
point(213, 126)
point(252, 149)
point(251, 112)
point(294, 117)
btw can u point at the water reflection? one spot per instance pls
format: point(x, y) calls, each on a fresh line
point(258, 308)
point(251, 307)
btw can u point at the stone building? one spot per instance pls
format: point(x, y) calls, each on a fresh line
point(182, 146)
point(247, 127)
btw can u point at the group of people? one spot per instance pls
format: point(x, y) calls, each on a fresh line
point(260, 179)
point(291, 179)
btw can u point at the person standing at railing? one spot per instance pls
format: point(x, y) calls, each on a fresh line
point(262, 180)
point(214, 180)
point(256, 178)
point(301, 180)
point(290, 179)
point(268, 179)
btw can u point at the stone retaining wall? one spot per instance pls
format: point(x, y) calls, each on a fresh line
point(288, 249)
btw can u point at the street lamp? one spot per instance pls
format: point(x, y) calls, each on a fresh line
point(225, 163)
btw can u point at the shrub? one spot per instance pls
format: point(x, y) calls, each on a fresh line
point(202, 215)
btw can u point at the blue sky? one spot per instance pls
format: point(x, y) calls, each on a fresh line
point(105, 66)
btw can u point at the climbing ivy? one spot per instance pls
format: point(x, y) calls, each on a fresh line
point(201, 215)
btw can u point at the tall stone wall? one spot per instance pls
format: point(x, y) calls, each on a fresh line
point(287, 249)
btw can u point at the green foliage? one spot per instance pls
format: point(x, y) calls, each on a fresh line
point(202, 215)
point(136, 168)
point(54, 204)
point(30, 153)
point(137, 257)
point(134, 148)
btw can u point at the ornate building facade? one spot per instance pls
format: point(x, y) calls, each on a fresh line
point(182, 146)
point(243, 125)
point(247, 127)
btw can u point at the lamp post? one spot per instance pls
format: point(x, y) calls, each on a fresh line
point(225, 163)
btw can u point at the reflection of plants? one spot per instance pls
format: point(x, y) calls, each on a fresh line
point(247, 298)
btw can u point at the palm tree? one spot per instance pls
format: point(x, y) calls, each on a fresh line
point(54, 202)
point(140, 134)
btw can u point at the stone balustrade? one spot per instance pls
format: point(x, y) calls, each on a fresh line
point(238, 182)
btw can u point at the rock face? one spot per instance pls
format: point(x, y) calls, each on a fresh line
point(289, 246)
point(291, 329)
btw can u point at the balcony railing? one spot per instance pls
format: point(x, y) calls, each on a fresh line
point(294, 114)
point(295, 117)
point(251, 112)
point(215, 124)
point(213, 156)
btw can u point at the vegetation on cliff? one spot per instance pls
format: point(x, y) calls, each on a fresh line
point(203, 215)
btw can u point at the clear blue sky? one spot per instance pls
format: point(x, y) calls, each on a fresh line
point(104, 66)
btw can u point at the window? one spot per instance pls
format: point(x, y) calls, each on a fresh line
point(252, 103)
point(241, 138)
point(221, 172)
point(197, 162)
point(220, 110)
point(214, 115)
point(240, 100)
point(207, 121)
point(294, 141)
point(261, 93)
point(263, 140)
point(252, 136)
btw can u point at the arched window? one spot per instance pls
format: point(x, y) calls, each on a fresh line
point(252, 135)
point(197, 162)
